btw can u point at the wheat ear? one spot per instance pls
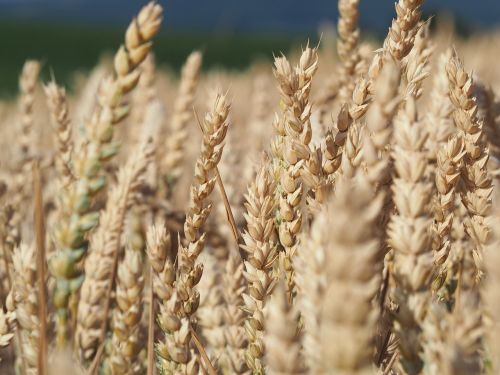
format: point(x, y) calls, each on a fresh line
point(210, 313)
point(409, 235)
point(478, 186)
point(452, 341)
point(185, 300)
point(416, 64)
point(439, 119)
point(173, 351)
point(260, 244)
point(214, 128)
point(105, 245)
point(379, 119)
point(294, 134)
point(23, 301)
point(334, 142)
point(447, 174)
point(181, 117)
point(27, 86)
point(233, 359)
point(348, 46)
point(78, 216)
point(59, 113)
point(283, 349)
point(401, 35)
point(353, 260)
point(125, 338)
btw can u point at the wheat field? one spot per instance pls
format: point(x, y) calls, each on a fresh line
point(332, 213)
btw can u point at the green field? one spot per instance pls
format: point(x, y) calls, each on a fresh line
point(66, 49)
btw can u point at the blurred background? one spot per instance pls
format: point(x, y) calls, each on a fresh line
point(72, 35)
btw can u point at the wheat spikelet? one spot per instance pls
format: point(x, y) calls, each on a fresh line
point(409, 235)
point(181, 117)
point(77, 214)
point(334, 143)
point(478, 185)
point(260, 243)
point(105, 243)
point(59, 112)
point(127, 316)
point(352, 154)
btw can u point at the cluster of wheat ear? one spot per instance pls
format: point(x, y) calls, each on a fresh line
point(339, 221)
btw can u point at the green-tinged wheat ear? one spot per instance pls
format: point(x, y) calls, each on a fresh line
point(77, 216)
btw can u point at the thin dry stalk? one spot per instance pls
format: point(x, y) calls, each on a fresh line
point(151, 325)
point(41, 268)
